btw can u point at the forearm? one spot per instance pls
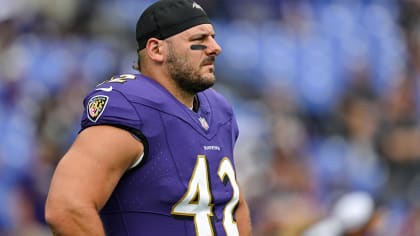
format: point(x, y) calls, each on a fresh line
point(243, 219)
point(77, 222)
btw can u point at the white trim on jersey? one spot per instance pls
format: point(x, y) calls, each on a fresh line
point(139, 159)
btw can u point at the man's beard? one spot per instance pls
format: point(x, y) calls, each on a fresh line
point(186, 77)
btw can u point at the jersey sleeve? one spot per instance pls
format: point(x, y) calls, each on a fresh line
point(109, 108)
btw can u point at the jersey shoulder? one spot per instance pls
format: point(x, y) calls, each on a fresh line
point(108, 103)
point(121, 98)
point(140, 90)
point(217, 103)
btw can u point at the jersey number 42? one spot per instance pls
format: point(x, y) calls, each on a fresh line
point(197, 200)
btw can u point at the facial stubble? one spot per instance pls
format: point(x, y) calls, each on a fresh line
point(188, 78)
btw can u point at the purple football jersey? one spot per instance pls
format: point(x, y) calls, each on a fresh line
point(186, 183)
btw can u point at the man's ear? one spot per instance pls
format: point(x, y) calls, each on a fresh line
point(154, 49)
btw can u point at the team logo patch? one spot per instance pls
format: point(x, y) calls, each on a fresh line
point(96, 107)
point(203, 123)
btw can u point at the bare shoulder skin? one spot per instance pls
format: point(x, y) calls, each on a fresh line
point(85, 178)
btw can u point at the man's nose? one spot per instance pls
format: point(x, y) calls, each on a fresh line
point(213, 48)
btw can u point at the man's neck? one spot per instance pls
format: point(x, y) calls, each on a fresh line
point(169, 84)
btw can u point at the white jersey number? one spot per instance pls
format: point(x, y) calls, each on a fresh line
point(198, 203)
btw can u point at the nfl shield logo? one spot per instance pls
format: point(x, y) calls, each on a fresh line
point(96, 107)
point(203, 123)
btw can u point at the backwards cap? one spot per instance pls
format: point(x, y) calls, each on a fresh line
point(168, 17)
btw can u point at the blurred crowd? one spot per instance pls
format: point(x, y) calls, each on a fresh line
point(326, 92)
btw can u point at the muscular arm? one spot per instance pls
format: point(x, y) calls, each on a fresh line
point(243, 218)
point(85, 178)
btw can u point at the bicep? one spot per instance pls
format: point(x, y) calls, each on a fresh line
point(90, 170)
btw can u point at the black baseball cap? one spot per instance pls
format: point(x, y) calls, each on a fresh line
point(165, 18)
